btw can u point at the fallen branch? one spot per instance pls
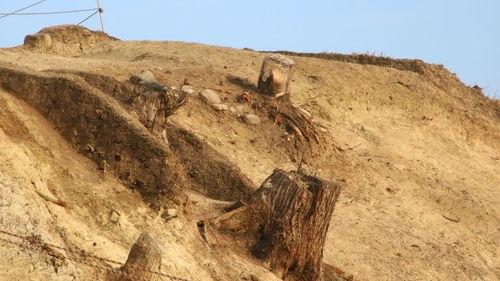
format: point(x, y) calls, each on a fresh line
point(451, 219)
point(52, 199)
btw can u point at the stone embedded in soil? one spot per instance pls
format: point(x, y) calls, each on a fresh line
point(114, 217)
point(169, 213)
point(239, 110)
point(210, 97)
point(144, 77)
point(252, 119)
point(187, 89)
point(220, 107)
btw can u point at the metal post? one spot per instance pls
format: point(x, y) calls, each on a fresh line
point(100, 14)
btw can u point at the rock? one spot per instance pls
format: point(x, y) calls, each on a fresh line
point(239, 110)
point(114, 216)
point(187, 89)
point(220, 107)
point(169, 214)
point(144, 77)
point(210, 97)
point(252, 119)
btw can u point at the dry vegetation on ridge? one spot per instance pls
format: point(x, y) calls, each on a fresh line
point(418, 152)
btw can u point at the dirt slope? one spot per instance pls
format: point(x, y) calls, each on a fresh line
point(419, 153)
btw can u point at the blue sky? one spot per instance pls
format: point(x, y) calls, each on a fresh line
point(462, 35)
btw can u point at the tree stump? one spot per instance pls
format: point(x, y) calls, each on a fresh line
point(275, 75)
point(274, 81)
point(289, 215)
point(144, 256)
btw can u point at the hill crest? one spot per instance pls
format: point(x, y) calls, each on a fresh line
point(415, 146)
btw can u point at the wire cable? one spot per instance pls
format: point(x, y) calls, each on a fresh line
point(88, 17)
point(48, 13)
point(6, 15)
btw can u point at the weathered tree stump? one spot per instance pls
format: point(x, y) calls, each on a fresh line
point(144, 257)
point(274, 82)
point(290, 215)
point(275, 75)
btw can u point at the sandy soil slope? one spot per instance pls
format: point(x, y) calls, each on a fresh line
point(419, 153)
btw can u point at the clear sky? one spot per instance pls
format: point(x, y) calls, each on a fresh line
point(464, 35)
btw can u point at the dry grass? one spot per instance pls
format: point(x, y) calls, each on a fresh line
point(369, 59)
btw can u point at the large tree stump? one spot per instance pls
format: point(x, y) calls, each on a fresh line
point(144, 258)
point(289, 215)
point(275, 75)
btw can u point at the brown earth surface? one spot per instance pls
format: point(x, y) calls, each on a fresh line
point(418, 152)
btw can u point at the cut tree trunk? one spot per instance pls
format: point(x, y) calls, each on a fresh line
point(290, 215)
point(274, 81)
point(275, 75)
point(143, 259)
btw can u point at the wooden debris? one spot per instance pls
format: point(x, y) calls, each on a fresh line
point(52, 199)
point(451, 219)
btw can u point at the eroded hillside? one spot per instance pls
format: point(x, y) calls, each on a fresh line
point(416, 149)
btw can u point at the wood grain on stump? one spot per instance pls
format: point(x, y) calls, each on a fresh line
point(144, 256)
point(289, 215)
